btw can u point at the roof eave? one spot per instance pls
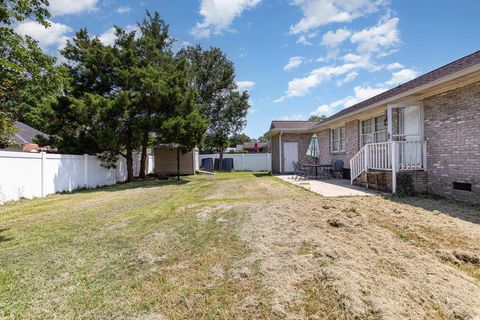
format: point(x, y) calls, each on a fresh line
point(403, 95)
point(272, 132)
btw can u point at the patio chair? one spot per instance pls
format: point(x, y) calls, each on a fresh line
point(337, 169)
point(299, 171)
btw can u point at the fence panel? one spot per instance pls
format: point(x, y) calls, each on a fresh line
point(245, 161)
point(30, 175)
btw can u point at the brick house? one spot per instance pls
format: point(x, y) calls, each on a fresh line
point(423, 134)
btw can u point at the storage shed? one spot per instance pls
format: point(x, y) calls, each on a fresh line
point(170, 158)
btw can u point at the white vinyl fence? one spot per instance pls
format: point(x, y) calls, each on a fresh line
point(30, 175)
point(245, 161)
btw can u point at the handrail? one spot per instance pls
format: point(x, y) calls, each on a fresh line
point(398, 155)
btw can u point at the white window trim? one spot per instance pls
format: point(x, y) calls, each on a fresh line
point(372, 125)
point(339, 139)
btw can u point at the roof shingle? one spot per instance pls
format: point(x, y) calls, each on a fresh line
point(446, 70)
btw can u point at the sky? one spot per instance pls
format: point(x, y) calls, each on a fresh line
point(296, 58)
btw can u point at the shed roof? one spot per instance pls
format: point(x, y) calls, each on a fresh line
point(287, 125)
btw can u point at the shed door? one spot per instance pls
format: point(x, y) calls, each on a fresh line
point(290, 152)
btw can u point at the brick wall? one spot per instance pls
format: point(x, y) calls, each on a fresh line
point(452, 130)
point(351, 144)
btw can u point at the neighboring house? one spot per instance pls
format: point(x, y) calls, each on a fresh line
point(23, 139)
point(169, 160)
point(250, 146)
point(423, 134)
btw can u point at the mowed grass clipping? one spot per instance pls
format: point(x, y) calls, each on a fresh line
point(127, 251)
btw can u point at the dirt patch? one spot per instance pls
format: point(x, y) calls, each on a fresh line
point(371, 269)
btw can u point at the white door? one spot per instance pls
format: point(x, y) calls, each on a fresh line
point(408, 126)
point(290, 154)
point(408, 122)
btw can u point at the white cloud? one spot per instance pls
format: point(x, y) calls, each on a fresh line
point(124, 9)
point(360, 94)
point(298, 116)
point(348, 78)
point(394, 65)
point(303, 40)
point(245, 85)
point(108, 37)
point(401, 76)
point(301, 86)
point(218, 15)
point(55, 35)
point(331, 55)
point(317, 13)
point(333, 39)
point(377, 39)
point(62, 7)
point(293, 63)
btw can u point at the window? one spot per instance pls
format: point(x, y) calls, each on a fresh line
point(374, 130)
point(337, 140)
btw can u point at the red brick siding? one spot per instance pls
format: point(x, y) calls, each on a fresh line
point(452, 130)
point(351, 144)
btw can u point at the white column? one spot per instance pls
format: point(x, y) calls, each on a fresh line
point(390, 123)
point(394, 166)
point(366, 155)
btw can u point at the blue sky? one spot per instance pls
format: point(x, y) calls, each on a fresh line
point(295, 57)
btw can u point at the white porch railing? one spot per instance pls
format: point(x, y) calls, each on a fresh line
point(392, 156)
point(410, 155)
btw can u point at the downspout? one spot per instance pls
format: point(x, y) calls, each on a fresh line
point(280, 152)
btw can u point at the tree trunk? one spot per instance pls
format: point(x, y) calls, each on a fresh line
point(129, 158)
point(143, 156)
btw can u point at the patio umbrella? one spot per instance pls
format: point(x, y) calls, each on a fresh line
point(314, 149)
point(255, 148)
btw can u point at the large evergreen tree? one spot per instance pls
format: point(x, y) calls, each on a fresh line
point(124, 95)
point(213, 75)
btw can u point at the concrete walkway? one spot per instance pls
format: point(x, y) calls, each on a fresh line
point(330, 187)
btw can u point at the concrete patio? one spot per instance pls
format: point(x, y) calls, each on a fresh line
point(330, 188)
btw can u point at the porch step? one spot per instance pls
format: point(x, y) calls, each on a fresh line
point(377, 180)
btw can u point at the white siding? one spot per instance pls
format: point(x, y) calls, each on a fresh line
point(245, 161)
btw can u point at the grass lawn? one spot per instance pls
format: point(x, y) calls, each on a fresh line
point(233, 246)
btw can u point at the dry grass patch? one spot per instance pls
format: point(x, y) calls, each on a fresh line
point(237, 246)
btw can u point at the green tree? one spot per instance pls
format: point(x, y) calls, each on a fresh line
point(12, 11)
point(262, 138)
point(18, 59)
point(239, 138)
point(157, 70)
point(125, 94)
point(31, 79)
point(318, 118)
point(213, 75)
